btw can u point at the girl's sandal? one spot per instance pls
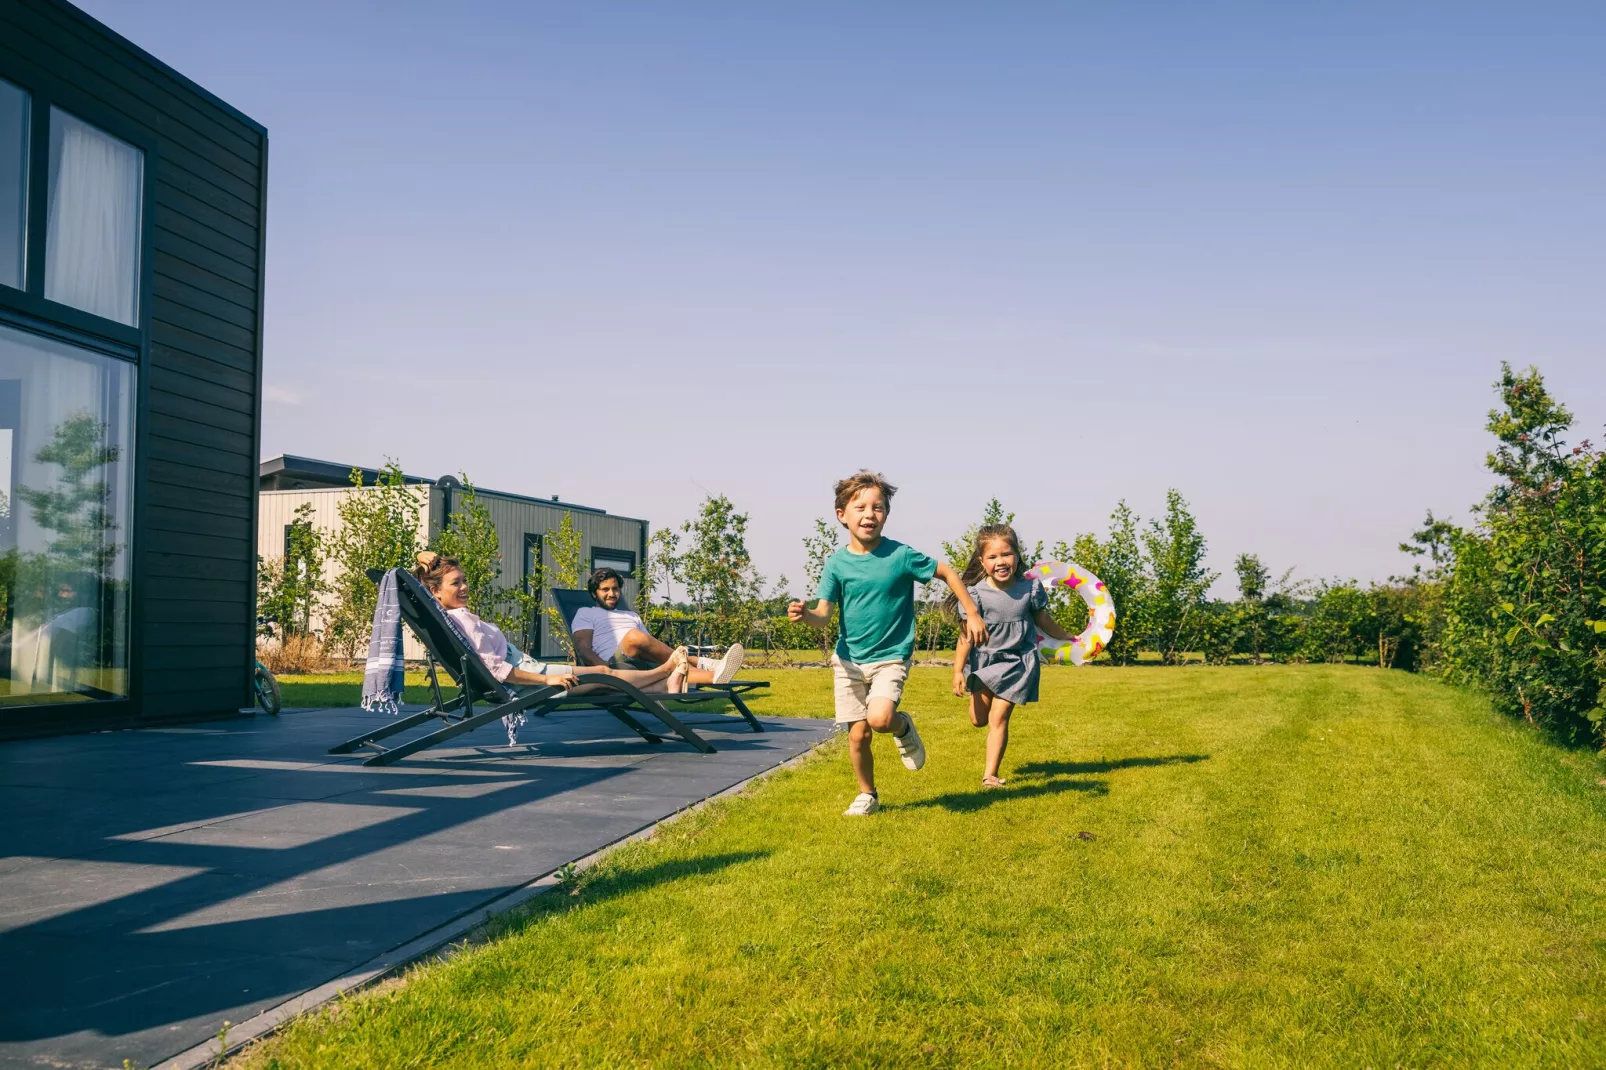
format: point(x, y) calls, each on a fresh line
point(991, 782)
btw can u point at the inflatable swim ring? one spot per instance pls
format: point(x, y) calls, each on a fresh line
point(1100, 608)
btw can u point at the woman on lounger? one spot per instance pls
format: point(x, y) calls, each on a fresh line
point(443, 578)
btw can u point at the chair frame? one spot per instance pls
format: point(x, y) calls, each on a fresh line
point(570, 602)
point(475, 684)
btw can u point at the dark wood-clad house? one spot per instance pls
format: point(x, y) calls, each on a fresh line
point(131, 254)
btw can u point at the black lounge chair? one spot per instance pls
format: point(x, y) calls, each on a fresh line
point(571, 603)
point(475, 684)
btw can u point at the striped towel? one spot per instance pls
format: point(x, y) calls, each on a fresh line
point(385, 675)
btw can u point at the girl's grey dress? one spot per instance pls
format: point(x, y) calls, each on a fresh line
point(1007, 663)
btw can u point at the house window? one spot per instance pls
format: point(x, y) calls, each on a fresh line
point(66, 466)
point(92, 235)
point(13, 183)
point(621, 561)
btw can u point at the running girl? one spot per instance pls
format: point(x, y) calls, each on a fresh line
point(1003, 672)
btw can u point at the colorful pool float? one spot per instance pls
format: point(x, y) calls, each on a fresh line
point(1100, 613)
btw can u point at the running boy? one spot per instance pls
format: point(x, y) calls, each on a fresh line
point(873, 579)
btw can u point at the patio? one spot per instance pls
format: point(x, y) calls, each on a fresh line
point(158, 882)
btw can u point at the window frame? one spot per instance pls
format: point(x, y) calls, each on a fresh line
point(45, 92)
point(27, 184)
point(617, 555)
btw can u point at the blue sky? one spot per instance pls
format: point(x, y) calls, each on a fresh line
point(1269, 254)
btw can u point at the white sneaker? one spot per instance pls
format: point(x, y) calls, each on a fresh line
point(910, 749)
point(727, 667)
point(864, 804)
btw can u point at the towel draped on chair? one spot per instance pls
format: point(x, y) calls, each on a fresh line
point(385, 675)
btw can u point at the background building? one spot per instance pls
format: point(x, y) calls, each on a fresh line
point(522, 523)
point(131, 220)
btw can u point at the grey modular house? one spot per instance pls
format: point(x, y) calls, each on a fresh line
point(131, 255)
point(522, 523)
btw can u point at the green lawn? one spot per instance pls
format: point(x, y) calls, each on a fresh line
point(1282, 866)
point(343, 688)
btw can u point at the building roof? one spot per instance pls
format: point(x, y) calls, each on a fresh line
point(290, 472)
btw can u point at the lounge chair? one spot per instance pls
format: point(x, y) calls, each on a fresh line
point(571, 603)
point(446, 650)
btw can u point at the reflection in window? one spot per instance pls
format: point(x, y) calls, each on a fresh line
point(66, 428)
point(92, 236)
point(13, 183)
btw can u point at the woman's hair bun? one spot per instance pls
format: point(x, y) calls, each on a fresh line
point(433, 568)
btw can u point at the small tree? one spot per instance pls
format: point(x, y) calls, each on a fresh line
point(379, 528)
point(1180, 582)
point(470, 537)
point(1253, 579)
point(1118, 561)
point(563, 570)
point(818, 548)
point(718, 571)
point(659, 572)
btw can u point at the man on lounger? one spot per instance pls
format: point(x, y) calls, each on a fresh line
point(604, 634)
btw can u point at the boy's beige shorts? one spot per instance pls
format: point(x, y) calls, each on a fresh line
point(856, 684)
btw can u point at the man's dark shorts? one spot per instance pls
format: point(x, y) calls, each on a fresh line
point(621, 660)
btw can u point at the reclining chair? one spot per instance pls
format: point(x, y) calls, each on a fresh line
point(570, 603)
point(475, 684)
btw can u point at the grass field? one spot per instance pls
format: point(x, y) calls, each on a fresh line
point(1291, 866)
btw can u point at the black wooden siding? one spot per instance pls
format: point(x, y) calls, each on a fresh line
point(198, 427)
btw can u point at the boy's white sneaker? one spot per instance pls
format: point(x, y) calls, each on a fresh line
point(864, 804)
point(910, 749)
point(727, 667)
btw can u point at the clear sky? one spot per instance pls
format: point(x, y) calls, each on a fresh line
point(1270, 254)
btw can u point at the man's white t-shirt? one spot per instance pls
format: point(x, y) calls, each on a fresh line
point(607, 627)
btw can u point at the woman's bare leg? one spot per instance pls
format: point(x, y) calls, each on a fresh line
point(670, 677)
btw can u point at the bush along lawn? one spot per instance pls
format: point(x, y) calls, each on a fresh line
point(1280, 866)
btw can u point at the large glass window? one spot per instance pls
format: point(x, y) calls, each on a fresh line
point(13, 183)
point(66, 466)
point(92, 233)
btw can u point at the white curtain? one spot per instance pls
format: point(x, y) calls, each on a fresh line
point(92, 240)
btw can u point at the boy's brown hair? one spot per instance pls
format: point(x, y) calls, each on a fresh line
point(863, 479)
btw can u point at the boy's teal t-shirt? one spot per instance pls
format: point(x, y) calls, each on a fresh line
point(877, 595)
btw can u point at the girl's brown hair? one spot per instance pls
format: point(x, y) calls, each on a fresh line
point(974, 571)
point(432, 569)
